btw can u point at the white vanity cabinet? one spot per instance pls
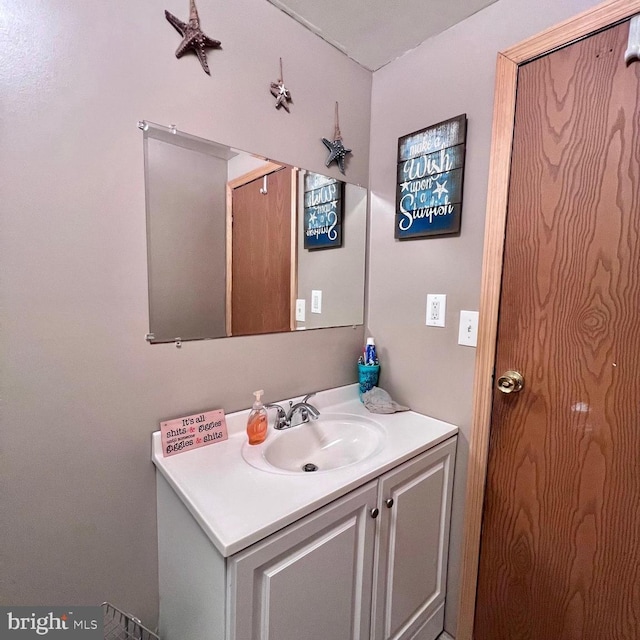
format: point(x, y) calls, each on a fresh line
point(312, 580)
point(412, 547)
point(370, 565)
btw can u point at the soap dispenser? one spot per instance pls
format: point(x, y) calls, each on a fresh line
point(257, 422)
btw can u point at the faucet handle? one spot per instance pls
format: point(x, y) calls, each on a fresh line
point(273, 405)
point(311, 409)
point(281, 414)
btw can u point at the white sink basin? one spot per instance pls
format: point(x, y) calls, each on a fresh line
point(333, 441)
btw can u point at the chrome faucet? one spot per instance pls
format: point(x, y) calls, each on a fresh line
point(281, 415)
point(302, 412)
point(298, 413)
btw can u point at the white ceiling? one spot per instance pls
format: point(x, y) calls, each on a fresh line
point(374, 32)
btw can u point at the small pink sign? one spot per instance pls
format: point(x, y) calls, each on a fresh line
point(193, 432)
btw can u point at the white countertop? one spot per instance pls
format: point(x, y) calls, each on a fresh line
point(237, 504)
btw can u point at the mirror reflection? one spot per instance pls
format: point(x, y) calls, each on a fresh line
point(241, 245)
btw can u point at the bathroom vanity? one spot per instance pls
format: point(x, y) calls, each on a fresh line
point(253, 551)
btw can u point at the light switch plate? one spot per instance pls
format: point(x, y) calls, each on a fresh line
point(468, 331)
point(316, 301)
point(436, 309)
point(301, 304)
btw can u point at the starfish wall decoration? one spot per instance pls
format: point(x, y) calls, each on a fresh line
point(337, 150)
point(280, 92)
point(193, 38)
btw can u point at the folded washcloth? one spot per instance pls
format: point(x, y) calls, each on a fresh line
point(377, 400)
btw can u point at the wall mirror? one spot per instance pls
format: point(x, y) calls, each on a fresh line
point(232, 242)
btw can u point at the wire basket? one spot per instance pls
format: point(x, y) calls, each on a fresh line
point(119, 625)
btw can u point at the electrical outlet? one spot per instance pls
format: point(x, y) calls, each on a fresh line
point(468, 330)
point(316, 301)
point(436, 309)
point(301, 304)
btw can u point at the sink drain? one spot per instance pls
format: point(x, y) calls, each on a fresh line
point(309, 467)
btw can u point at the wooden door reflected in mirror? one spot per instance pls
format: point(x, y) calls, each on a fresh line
point(261, 277)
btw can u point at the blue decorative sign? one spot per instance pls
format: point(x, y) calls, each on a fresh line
point(322, 211)
point(429, 180)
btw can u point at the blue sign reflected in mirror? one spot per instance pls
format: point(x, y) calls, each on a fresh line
point(323, 197)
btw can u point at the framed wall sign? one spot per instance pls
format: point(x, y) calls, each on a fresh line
point(323, 199)
point(429, 180)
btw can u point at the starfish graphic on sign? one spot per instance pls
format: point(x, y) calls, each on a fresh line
point(440, 188)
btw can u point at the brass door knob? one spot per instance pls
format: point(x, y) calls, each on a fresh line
point(510, 382)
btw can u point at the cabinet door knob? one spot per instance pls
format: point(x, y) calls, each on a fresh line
point(374, 512)
point(389, 502)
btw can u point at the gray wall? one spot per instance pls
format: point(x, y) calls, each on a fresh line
point(447, 75)
point(186, 200)
point(81, 389)
point(340, 272)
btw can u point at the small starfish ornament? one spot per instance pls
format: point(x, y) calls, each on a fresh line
point(337, 150)
point(280, 92)
point(337, 153)
point(193, 38)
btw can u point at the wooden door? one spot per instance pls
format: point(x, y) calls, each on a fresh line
point(412, 547)
point(262, 256)
point(560, 549)
point(310, 581)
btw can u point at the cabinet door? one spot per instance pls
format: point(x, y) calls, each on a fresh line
point(312, 580)
point(412, 546)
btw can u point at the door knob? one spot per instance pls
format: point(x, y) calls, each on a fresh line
point(510, 382)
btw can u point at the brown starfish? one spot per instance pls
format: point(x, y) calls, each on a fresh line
point(281, 93)
point(193, 38)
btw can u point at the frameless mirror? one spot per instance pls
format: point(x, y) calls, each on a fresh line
point(242, 245)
